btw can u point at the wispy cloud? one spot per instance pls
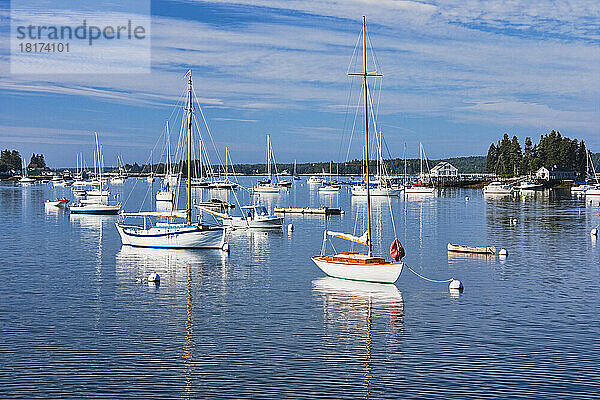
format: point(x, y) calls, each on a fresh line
point(460, 62)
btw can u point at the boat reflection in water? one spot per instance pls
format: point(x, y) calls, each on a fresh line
point(135, 263)
point(351, 305)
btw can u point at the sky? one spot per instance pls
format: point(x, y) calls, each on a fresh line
point(458, 74)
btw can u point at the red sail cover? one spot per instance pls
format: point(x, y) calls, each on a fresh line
point(396, 250)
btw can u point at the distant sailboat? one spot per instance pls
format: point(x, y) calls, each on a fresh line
point(97, 201)
point(419, 187)
point(25, 180)
point(329, 187)
point(268, 186)
point(354, 265)
point(296, 177)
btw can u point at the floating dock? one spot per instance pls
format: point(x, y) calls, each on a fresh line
point(308, 210)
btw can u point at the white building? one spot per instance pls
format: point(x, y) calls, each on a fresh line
point(445, 171)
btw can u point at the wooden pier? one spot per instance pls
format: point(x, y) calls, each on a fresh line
point(308, 210)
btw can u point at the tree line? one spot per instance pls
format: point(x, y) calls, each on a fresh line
point(10, 160)
point(507, 158)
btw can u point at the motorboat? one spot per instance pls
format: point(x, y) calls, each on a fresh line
point(255, 216)
point(59, 203)
point(498, 188)
point(530, 186)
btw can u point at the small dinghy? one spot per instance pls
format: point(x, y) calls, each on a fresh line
point(60, 203)
point(471, 249)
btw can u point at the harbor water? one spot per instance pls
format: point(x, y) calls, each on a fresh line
point(77, 319)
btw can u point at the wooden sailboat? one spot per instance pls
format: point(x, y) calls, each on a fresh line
point(354, 265)
point(173, 234)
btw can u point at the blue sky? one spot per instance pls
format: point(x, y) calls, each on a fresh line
point(458, 74)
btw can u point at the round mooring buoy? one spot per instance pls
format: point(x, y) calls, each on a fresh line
point(466, 198)
point(594, 232)
point(291, 228)
point(455, 284)
point(154, 277)
point(503, 252)
point(225, 247)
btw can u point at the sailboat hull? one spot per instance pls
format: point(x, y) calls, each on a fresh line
point(259, 223)
point(377, 272)
point(361, 190)
point(176, 237)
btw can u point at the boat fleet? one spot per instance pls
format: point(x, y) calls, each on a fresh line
point(181, 223)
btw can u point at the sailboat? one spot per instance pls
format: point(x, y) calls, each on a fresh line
point(224, 183)
point(329, 187)
point(354, 265)
point(150, 178)
point(418, 187)
point(295, 175)
point(121, 175)
point(384, 186)
point(25, 180)
point(174, 234)
point(268, 186)
point(166, 192)
point(97, 201)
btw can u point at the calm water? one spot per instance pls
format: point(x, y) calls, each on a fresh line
point(263, 322)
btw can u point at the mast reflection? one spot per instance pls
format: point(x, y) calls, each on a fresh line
point(188, 345)
point(351, 304)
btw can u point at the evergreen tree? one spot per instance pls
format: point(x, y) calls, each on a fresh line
point(492, 159)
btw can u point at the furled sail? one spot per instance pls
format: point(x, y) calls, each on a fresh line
point(164, 214)
point(362, 239)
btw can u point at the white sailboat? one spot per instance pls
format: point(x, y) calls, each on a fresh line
point(119, 179)
point(329, 187)
point(295, 174)
point(383, 185)
point(268, 186)
point(174, 234)
point(418, 187)
point(354, 265)
point(25, 180)
point(150, 178)
point(167, 192)
point(224, 183)
point(98, 201)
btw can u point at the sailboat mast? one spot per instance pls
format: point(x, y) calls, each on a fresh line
point(369, 243)
point(189, 164)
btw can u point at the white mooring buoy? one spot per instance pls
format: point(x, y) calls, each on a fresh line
point(225, 247)
point(455, 284)
point(154, 277)
point(466, 198)
point(594, 232)
point(503, 252)
point(290, 227)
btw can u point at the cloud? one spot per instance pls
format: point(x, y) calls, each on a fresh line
point(498, 63)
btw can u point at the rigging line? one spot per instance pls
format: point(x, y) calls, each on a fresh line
point(346, 113)
point(207, 128)
point(427, 279)
point(354, 124)
point(374, 57)
point(354, 52)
